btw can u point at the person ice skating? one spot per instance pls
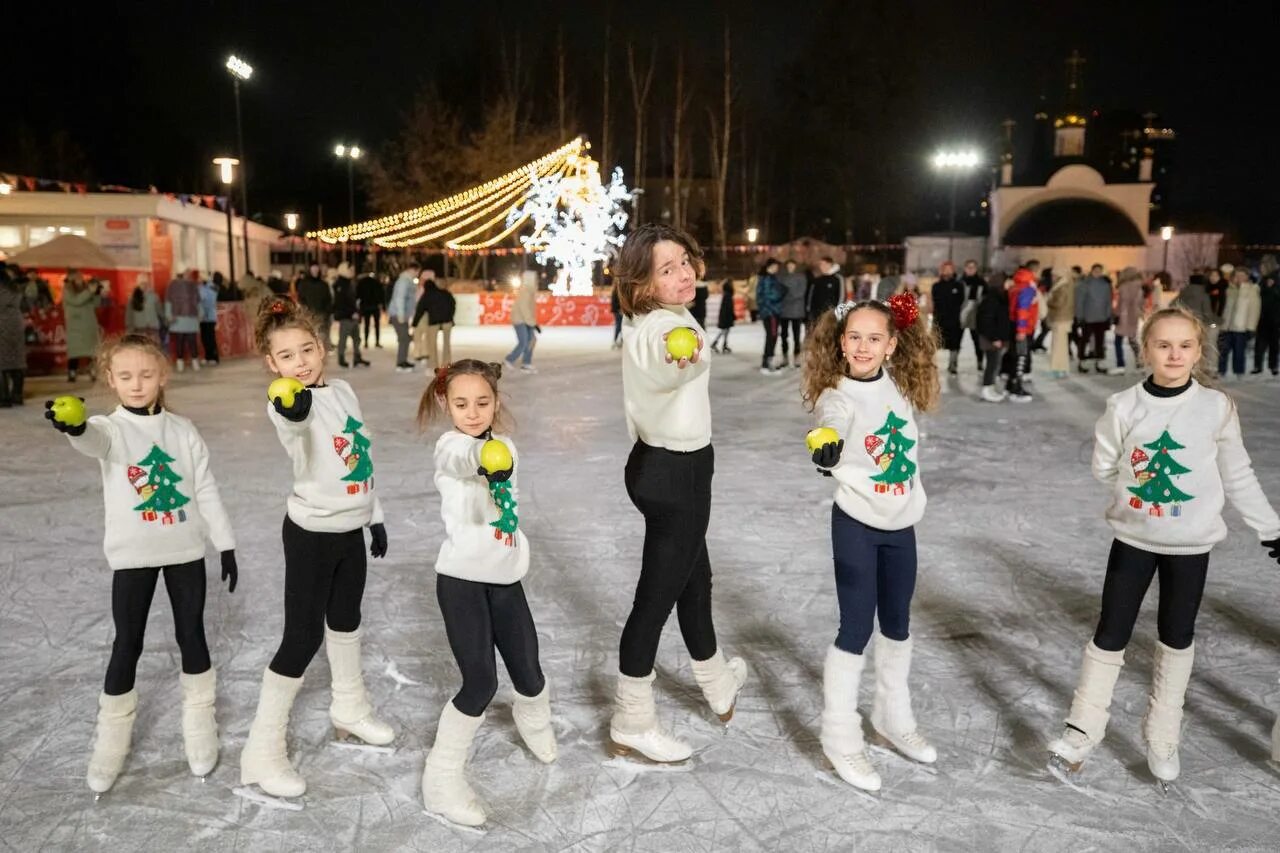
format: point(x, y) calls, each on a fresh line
point(346, 310)
point(1170, 451)
point(524, 319)
point(975, 288)
point(13, 342)
point(949, 295)
point(371, 295)
point(795, 286)
point(435, 311)
point(1093, 316)
point(726, 318)
point(182, 311)
point(616, 310)
point(162, 503)
point(478, 571)
point(400, 311)
point(142, 313)
point(827, 291)
point(769, 297)
point(1130, 308)
point(1267, 343)
point(869, 370)
point(324, 432)
point(995, 334)
point(1060, 306)
point(207, 294)
point(80, 302)
point(1241, 310)
point(668, 478)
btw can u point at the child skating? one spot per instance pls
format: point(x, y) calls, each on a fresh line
point(162, 503)
point(478, 572)
point(322, 429)
point(1171, 452)
point(868, 371)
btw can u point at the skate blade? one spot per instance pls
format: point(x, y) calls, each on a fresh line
point(444, 821)
point(728, 715)
point(1060, 763)
point(831, 777)
point(355, 743)
point(617, 750)
point(1163, 786)
point(266, 799)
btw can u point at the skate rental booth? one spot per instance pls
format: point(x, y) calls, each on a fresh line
point(115, 237)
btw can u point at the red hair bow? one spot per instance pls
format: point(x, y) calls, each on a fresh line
point(441, 383)
point(278, 307)
point(904, 309)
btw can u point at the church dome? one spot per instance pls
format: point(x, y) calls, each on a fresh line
point(1073, 222)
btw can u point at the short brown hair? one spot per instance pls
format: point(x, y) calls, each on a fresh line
point(633, 271)
point(280, 313)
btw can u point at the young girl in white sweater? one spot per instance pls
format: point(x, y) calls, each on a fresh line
point(162, 503)
point(478, 571)
point(1170, 451)
point(333, 500)
point(668, 478)
point(869, 369)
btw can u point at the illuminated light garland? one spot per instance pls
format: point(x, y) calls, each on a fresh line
point(386, 225)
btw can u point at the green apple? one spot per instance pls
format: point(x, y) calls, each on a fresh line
point(68, 410)
point(495, 456)
point(820, 437)
point(682, 343)
point(286, 388)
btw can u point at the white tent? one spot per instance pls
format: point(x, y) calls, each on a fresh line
point(68, 251)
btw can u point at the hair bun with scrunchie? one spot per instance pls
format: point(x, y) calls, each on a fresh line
point(905, 310)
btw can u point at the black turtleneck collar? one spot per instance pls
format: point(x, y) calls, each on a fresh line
point(1155, 390)
point(143, 410)
point(879, 373)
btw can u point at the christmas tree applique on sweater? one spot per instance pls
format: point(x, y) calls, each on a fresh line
point(155, 480)
point(1155, 477)
point(504, 529)
point(888, 448)
point(354, 453)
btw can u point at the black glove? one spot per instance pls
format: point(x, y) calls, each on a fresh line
point(299, 410)
point(59, 425)
point(378, 533)
point(496, 476)
point(1273, 549)
point(229, 570)
point(828, 456)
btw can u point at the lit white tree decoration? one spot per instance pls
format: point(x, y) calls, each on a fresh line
point(577, 221)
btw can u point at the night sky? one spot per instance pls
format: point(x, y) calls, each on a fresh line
point(142, 92)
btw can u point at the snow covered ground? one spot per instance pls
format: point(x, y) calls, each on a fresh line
point(1012, 554)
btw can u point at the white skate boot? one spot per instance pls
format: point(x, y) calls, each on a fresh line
point(1162, 725)
point(199, 725)
point(721, 682)
point(841, 736)
point(265, 760)
point(533, 720)
point(1087, 720)
point(445, 790)
point(350, 711)
point(112, 740)
point(635, 724)
point(891, 715)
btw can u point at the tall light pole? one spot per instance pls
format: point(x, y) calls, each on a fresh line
point(291, 222)
point(956, 163)
point(350, 153)
point(227, 172)
point(1166, 234)
point(241, 70)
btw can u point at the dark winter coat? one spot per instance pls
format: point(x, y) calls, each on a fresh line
point(794, 285)
point(344, 299)
point(1195, 298)
point(435, 304)
point(1093, 299)
point(948, 298)
point(370, 294)
point(314, 294)
point(699, 307)
point(80, 313)
point(1269, 319)
point(768, 296)
point(826, 293)
point(975, 287)
point(13, 344)
point(727, 316)
point(994, 323)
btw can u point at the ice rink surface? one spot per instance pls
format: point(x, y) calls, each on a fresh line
point(1012, 552)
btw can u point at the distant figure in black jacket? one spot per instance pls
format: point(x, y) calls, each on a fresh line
point(948, 297)
point(372, 296)
point(726, 318)
point(827, 291)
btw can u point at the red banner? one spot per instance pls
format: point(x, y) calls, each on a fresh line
point(495, 310)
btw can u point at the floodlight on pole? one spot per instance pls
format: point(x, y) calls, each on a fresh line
point(350, 153)
point(239, 67)
point(955, 162)
point(753, 234)
point(227, 172)
point(241, 70)
point(1166, 234)
point(291, 222)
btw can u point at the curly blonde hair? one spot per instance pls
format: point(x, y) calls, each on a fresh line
point(1203, 370)
point(911, 366)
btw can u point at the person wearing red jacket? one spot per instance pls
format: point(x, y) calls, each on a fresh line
point(1024, 312)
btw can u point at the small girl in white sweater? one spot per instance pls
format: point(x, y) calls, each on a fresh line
point(478, 571)
point(321, 427)
point(162, 503)
point(1171, 452)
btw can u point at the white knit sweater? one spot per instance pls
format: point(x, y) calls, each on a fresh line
point(665, 406)
point(332, 463)
point(160, 497)
point(474, 549)
point(878, 476)
point(1170, 463)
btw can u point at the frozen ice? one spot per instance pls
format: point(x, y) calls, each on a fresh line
point(1012, 552)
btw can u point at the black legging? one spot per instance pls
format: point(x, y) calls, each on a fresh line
point(1096, 331)
point(1267, 347)
point(796, 325)
point(770, 338)
point(672, 490)
point(324, 577)
point(209, 339)
point(131, 593)
point(376, 320)
point(478, 617)
point(1129, 573)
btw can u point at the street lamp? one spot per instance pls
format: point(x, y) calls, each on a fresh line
point(227, 172)
point(753, 234)
point(241, 70)
point(956, 163)
point(1166, 234)
point(350, 153)
point(5, 187)
point(291, 222)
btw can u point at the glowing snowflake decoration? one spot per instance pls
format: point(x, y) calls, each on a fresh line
point(577, 221)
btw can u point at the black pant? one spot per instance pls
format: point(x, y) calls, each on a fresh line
point(875, 576)
point(771, 325)
point(131, 593)
point(478, 617)
point(324, 576)
point(796, 325)
point(673, 492)
point(376, 319)
point(977, 350)
point(209, 338)
point(1044, 333)
point(184, 345)
point(992, 366)
point(1129, 573)
point(1267, 344)
point(11, 382)
point(1098, 333)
